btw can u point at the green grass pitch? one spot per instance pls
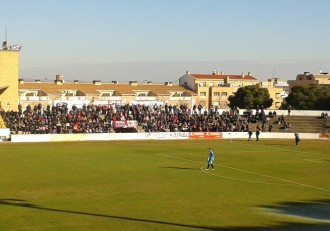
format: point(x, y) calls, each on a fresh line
point(162, 185)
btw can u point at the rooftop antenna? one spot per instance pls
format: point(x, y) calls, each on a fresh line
point(4, 44)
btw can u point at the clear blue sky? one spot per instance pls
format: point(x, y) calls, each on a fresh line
point(161, 39)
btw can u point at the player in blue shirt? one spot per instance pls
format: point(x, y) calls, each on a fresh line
point(210, 159)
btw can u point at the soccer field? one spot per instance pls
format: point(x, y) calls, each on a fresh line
point(163, 185)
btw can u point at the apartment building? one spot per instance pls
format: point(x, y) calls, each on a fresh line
point(308, 79)
point(278, 89)
point(214, 89)
point(98, 93)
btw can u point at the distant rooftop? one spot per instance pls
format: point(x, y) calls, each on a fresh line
point(6, 47)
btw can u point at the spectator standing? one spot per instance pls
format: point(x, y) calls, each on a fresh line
point(200, 109)
point(289, 110)
point(274, 114)
point(250, 135)
point(270, 127)
point(257, 133)
point(297, 138)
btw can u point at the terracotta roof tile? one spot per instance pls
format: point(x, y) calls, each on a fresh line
point(91, 89)
point(222, 76)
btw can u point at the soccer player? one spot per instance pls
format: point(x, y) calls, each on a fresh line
point(210, 159)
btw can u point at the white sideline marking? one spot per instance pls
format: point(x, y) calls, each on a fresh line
point(287, 150)
point(254, 173)
point(238, 179)
point(314, 161)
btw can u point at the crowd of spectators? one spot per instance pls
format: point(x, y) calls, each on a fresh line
point(60, 119)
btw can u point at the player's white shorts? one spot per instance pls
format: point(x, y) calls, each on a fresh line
point(210, 161)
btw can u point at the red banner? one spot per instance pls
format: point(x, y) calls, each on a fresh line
point(124, 124)
point(119, 124)
point(205, 135)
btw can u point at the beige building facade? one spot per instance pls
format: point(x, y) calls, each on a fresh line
point(308, 79)
point(278, 89)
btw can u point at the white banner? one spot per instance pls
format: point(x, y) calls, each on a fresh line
point(70, 103)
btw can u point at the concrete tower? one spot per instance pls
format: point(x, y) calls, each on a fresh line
point(9, 76)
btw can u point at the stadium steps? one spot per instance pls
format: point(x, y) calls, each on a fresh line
point(302, 124)
point(326, 126)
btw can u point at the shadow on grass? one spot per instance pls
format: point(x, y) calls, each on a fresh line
point(181, 168)
point(282, 144)
point(313, 210)
point(280, 227)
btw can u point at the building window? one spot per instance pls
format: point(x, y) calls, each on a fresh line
point(211, 84)
point(219, 84)
point(224, 94)
point(31, 94)
point(105, 95)
point(142, 94)
point(216, 93)
point(202, 93)
point(278, 95)
point(69, 92)
point(202, 84)
point(277, 104)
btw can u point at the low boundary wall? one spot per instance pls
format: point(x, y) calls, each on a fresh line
point(155, 136)
point(4, 134)
point(283, 112)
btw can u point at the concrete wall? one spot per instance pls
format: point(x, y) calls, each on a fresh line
point(282, 112)
point(154, 136)
point(4, 134)
point(293, 112)
point(269, 135)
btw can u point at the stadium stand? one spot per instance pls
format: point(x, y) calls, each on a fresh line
point(115, 118)
point(305, 124)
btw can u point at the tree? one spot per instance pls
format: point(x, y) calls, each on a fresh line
point(251, 97)
point(309, 97)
